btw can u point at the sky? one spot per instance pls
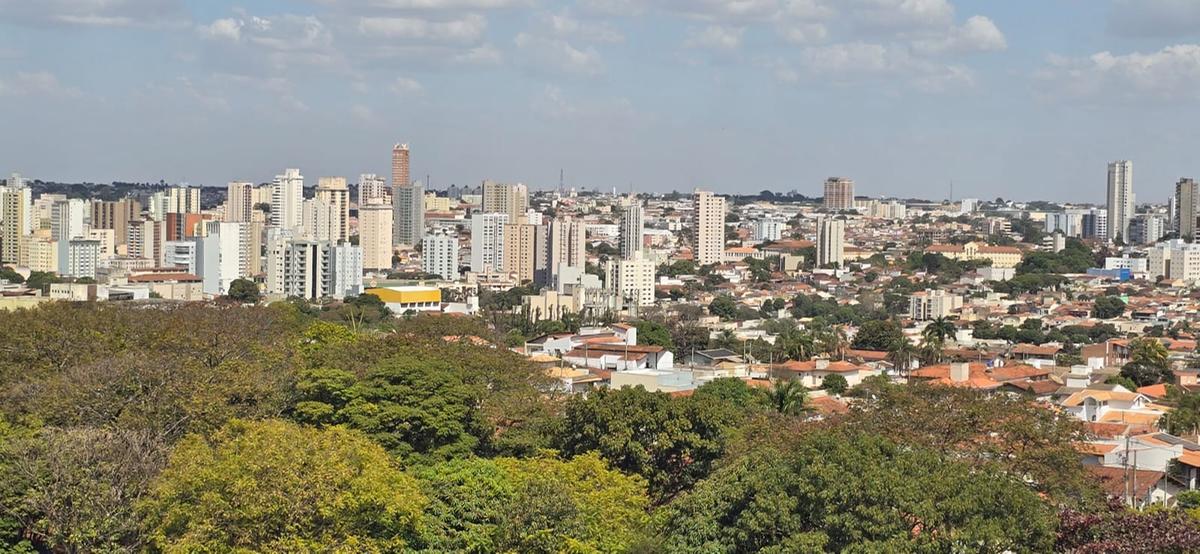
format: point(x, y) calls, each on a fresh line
point(1022, 99)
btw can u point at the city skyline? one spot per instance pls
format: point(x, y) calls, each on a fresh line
point(903, 97)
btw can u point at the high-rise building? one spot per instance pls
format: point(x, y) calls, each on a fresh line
point(287, 198)
point(39, 252)
point(182, 254)
point(520, 250)
point(1146, 228)
point(408, 205)
point(334, 192)
point(439, 255)
point(375, 235)
point(1120, 199)
point(487, 242)
point(146, 240)
point(80, 258)
point(1187, 200)
point(239, 201)
point(632, 280)
point(400, 177)
point(116, 216)
point(633, 229)
point(373, 189)
point(16, 218)
point(1065, 222)
point(839, 193)
point(500, 198)
point(1095, 224)
point(68, 221)
point(221, 256)
point(831, 242)
point(318, 220)
point(932, 304)
point(708, 212)
point(768, 229)
point(312, 269)
point(567, 247)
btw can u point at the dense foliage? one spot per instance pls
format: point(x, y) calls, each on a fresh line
point(338, 428)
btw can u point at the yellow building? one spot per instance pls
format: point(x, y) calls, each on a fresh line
point(403, 299)
point(1001, 256)
point(39, 253)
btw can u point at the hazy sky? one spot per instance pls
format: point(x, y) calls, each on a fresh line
point(1015, 98)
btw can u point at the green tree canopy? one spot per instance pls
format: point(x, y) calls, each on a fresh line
point(274, 486)
point(879, 334)
point(1108, 307)
point(829, 492)
point(244, 291)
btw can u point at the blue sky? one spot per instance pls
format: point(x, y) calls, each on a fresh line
point(1017, 98)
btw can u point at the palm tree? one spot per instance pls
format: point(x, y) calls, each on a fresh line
point(931, 352)
point(787, 397)
point(939, 330)
point(902, 354)
point(1149, 352)
point(794, 344)
point(833, 342)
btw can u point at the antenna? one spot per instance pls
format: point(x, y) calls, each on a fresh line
point(951, 190)
point(561, 186)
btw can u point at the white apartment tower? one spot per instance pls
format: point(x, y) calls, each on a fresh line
point(708, 211)
point(512, 200)
point(487, 242)
point(439, 255)
point(633, 229)
point(375, 235)
point(831, 241)
point(1120, 199)
point(372, 189)
point(408, 204)
point(334, 192)
point(632, 280)
point(287, 198)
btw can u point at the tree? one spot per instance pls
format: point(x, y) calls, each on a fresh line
point(830, 492)
point(1116, 528)
point(902, 354)
point(787, 397)
point(723, 306)
point(274, 486)
point(731, 390)
point(835, 384)
point(1148, 362)
point(244, 291)
point(939, 330)
point(651, 333)
point(533, 505)
point(8, 274)
point(1184, 417)
point(880, 334)
point(671, 442)
point(1108, 307)
point(410, 406)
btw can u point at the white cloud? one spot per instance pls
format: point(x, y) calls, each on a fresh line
point(558, 55)
point(902, 14)
point(94, 13)
point(228, 29)
point(404, 86)
point(859, 62)
point(485, 54)
point(469, 28)
point(978, 34)
point(427, 5)
point(803, 33)
point(362, 113)
point(716, 37)
point(564, 25)
point(1155, 18)
point(38, 83)
point(1171, 74)
point(253, 44)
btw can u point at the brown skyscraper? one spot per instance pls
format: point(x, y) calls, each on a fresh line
point(400, 166)
point(839, 193)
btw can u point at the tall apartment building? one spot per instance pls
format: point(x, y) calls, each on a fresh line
point(373, 189)
point(182, 254)
point(439, 255)
point(408, 205)
point(831, 242)
point(239, 201)
point(487, 242)
point(318, 220)
point(1187, 199)
point(174, 200)
point(68, 221)
point(768, 229)
point(512, 200)
point(16, 218)
point(567, 247)
point(334, 192)
point(520, 250)
point(375, 235)
point(1120, 199)
point(633, 229)
point(632, 280)
point(1095, 224)
point(708, 213)
point(222, 256)
point(312, 269)
point(839, 193)
point(39, 252)
point(1065, 222)
point(400, 170)
point(146, 240)
point(116, 216)
point(1146, 228)
point(287, 199)
point(932, 304)
point(80, 257)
